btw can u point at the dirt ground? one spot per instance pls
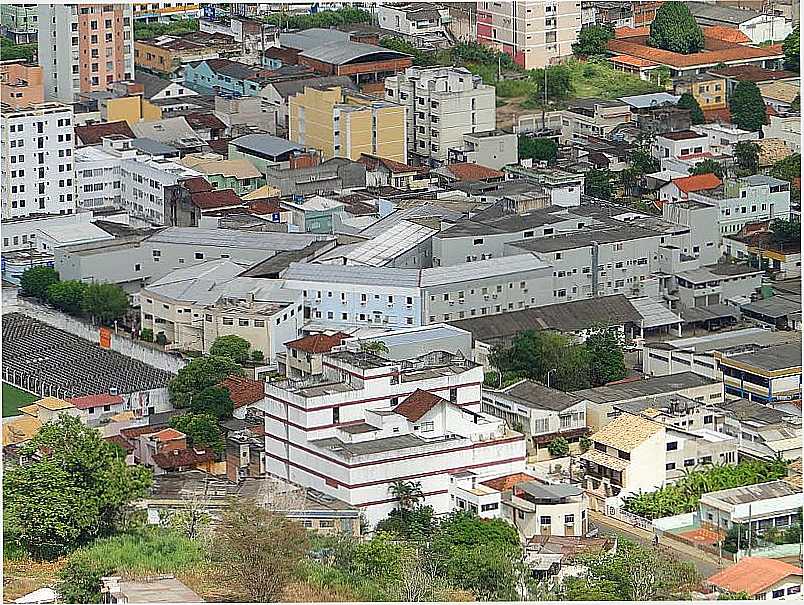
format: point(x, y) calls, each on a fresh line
point(24, 575)
point(507, 114)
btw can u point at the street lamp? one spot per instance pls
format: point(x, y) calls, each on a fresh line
point(548, 376)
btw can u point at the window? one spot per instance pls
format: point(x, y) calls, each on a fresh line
point(228, 321)
point(545, 520)
point(689, 462)
point(427, 427)
point(259, 323)
point(670, 466)
point(326, 523)
point(478, 241)
point(778, 593)
point(199, 255)
point(569, 519)
point(490, 506)
point(672, 446)
point(336, 415)
point(242, 322)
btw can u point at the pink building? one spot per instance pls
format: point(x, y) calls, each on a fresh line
point(20, 84)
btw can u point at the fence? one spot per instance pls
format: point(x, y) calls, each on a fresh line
point(120, 342)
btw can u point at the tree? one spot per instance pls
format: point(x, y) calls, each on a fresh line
point(733, 596)
point(67, 296)
point(787, 169)
point(747, 155)
point(257, 355)
point(80, 580)
point(786, 231)
point(36, 280)
point(74, 489)
point(145, 31)
point(105, 302)
point(791, 46)
point(592, 41)
point(10, 51)
point(599, 184)
point(643, 161)
point(558, 447)
point(259, 549)
point(538, 149)
point(604, 351)
point(708, 166)
point(200, 373)
point(687, 101)
point(559, 83)
point(147, 334)
point(373, 346)
point(747, 107)
point(215, 401)
point(415, 524)
point(406, 493)
point(202, 431)
point(675, 29)
point(232, 346)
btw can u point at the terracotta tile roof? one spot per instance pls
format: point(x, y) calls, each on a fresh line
point(682, 135)
point(317, 343)
point(264, 206)
point(502, 484)
point(417, 404)
point(753, 575)
point(168, 435)
point(372, 161)
point(121, 441)
point(94, 401)
point(183, 458)
point(697, 156)
point(196, 184)
point(717, 51)
point(202, 120)
point(780, 91)
point(754, 73)
point(626, 432)
point(698, 182)
point(633, 61)
point(217, 198)
point(631, 32)
point(244, 391)
point(727, 34)
point(465, 171)
point(20, 430)
point(220, 146)
point(91, 134)
point(717, 116)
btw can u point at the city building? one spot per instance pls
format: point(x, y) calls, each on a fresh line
point(38, 173)
point(264, 150)
point(219, 75)
point(422, 23)
point(759, 578)
point(758, 27)
point(161, 12)
point(382, 172)
point(239, 175)
point(707, 88)
point(769, 375)
point(19, 22)
point(785, 128)
point(168, 54)
point(347, 124)
point(680, 189)
point(762, 431)
point(367, 422)
point(724, 137)
point(679, 145)
point(443, 104)
point(626, 456)
point(587, 118)
point(772, 504)
point(533, 34)
point(84, 47)
point(21, 84)
point(492, 148)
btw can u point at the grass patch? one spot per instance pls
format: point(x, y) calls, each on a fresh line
point(515, 88)
point(14, 399)
point(600, 80)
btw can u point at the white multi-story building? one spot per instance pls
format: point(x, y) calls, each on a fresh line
point(420, 21)
point(38, 175)
point(368, 422)
point(534, 34)
point(724, 137)
point(681, 145)
point(787, 128)
point(83, 48)
point(443, 104)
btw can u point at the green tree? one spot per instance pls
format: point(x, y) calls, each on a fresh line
point(599, 184)
point(708, 166)
point(232, 346)
point(417, 523)
point(200, 373)
point(80, 580)
point(202, 431)
point(145, 31)
point(215, 401)
point(791, 48)
point(67, 296)
point(734, 596)
point(105, 302)
point(786, 231)
point(406, 493)
point(257, 355)
point(787, 169)
point(687, 101)
point(74, 489)
point(643, 162)
point(604, 351)
point(589, 589)
point(260, 550)
point(10, 51)
point(36, 280)
point(559, 83)
point(592, 41)
point(675, 29)
point(537, 149)
point(747, 155)
point(421, 58)
point(558, 447)
point(147, 334)
point(747, 107)
point(373, 346)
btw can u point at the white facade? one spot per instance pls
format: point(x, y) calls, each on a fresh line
point(143, 182)
point(679, 146)
point(786, 128)
point(766, 27)
point(407, 20)
point(723, 137)
point(442, 104)
point(344, 434)
point(38, 174)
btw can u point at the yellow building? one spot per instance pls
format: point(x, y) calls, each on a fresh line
point(709, 90)
point(132, 109)
point(347, 124)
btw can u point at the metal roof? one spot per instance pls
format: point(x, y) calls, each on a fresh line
point(266, 144)
point(537, 396)
point(340, 52)
point(232, 238)
point(354, 274)
point(389, 245)
point(775, 306)
point(492, 267)
point(654, 314)
point(655, 385)
point(752, 493)
point(780, 357)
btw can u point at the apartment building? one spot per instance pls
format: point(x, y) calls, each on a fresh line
point(787, 128)
point(193, 306)
point(20, 84)
point(491, 148)
point(84, 47)
point(534, 34)
point(38, 174)
point(347, 124)
point(721, 283)
point(724, 137)
point(19, 22)
point(443, 104)
point(367, 422)
point(340, 296)
point(592, 118)
point(708, 89)
point(153, 12)
point(626, 457)
point(680, 145)
point(424, 23)
point(746, 200)
point(769, 375)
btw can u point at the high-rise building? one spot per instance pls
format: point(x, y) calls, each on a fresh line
point(535, 34)
point(38, 175)
point(84, 48)
point(346, 124)
point(444, 103)
point(18, 22)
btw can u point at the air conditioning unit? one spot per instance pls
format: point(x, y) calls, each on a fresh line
point(452, 303)
point(485, 297)
point(318, 300)
point(494, 296)
point(390, 305)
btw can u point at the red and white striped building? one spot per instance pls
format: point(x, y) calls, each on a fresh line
point(367, 422)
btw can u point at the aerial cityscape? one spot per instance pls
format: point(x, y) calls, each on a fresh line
point(401, 301)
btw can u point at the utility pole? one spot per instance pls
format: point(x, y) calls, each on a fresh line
point(749, 530)
point(544, 102)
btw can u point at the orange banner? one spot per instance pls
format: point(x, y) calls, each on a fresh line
point(106, 338)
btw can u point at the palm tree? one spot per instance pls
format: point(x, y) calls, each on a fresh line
point(407, 493)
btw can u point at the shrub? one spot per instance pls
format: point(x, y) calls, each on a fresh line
point(147, 334)
point(558, 447)
point(257, 355)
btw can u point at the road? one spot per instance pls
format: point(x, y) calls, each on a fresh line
point(705, 567)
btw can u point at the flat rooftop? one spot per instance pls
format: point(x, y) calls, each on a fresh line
point(770, 359)
point(644, 387)
point(753, 493)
